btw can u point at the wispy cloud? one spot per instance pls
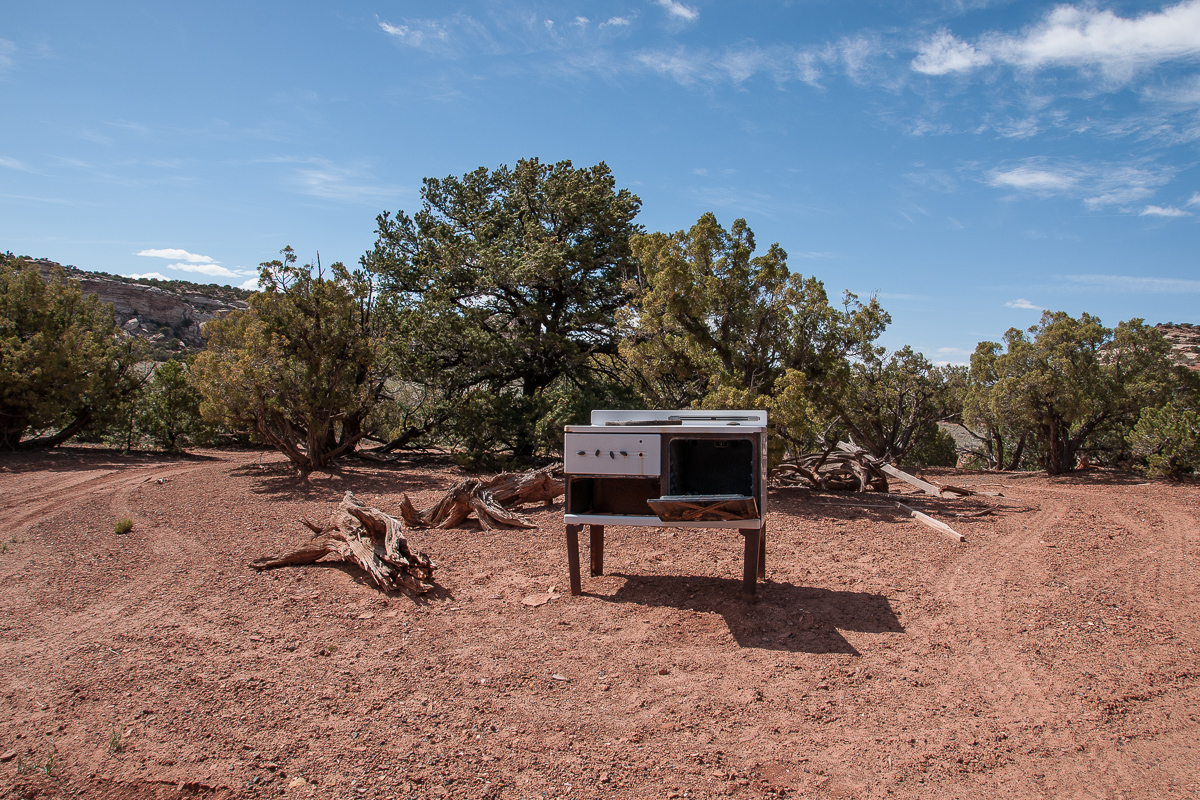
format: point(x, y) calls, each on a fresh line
point(154, 276)
point(952, 351)
point(617, 22)
point(7, 51)
point(14, 163)
point(1134, 283)
point(1163, 211)
point(679, 10)
point(1021, 302)
point(420, 34)
point(349, 184)
point(251, 284)
point(1098, 185)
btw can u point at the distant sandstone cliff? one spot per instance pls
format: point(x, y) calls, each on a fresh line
point(1185, 343)
point(158, 315)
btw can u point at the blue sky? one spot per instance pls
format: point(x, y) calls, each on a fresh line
point(969, 162)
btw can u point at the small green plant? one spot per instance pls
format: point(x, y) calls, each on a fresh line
point(114, 742)
point(123, 526)
point(49, 763)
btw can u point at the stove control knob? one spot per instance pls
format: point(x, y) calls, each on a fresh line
point(581, 453)
point(611, 454)
point(624, 453)
point(597, 452)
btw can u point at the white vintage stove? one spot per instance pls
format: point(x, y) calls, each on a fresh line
point(683, 468)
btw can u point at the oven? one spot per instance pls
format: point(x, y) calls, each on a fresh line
point(680, 468)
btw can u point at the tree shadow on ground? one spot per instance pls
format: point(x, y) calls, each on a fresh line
point(279, 480)
point(1100, 477)
point(78, 459)
point(798, 619)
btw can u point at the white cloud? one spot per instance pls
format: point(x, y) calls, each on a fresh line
point(1021, 302)
point(952, 351)
point(581, 22)
point(1163, 211)
point(1089, 36)
point(215, 270)
point(1080, 36)
point(171, 252)
point(679, 10)
point(1135, 283)
point(154, 276)
point(616, 22)
point(944, 53)
point(1031, 179)
point(1195, 199)
point(251, 284)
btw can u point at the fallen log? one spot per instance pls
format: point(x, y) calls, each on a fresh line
point(937, 525)
point(368, 537)
point(489, 500)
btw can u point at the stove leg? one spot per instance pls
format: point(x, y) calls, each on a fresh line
point(597, 549)
point(762, 552)
point(750, 567)
point(573, 558)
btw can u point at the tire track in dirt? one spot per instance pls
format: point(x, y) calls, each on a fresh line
point(163, 556)
point(980, 608)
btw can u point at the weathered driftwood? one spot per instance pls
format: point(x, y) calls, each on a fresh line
point(368, 537)
point(848, 467)
point(489, 500)
point(937, 525)
point(832, 471)
point(701, 509)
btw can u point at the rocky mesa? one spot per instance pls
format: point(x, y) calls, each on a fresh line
point(177, 311)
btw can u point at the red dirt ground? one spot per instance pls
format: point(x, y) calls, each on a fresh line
point(1050, 655)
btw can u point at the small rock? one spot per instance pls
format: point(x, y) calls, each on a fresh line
point(8, 756)
point(664, 671)
point(558, 677)
point(366, 615)
point(536, 600)
point(296, 783)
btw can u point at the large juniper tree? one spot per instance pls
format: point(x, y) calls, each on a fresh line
point(64, 363)
point(505, 284)
point(303, 367)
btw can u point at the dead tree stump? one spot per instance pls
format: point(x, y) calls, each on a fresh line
point(369, 538)
point(490, 500)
